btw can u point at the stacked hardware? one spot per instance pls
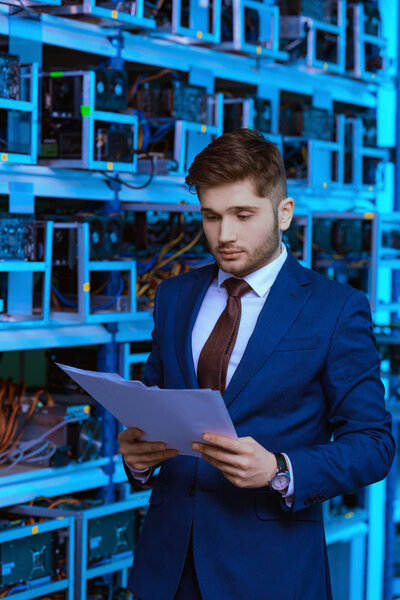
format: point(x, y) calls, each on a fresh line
point(9, 76)
point(18, 237)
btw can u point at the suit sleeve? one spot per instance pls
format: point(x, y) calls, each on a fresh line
point(362, 448)
point(153, 375)
point(137, 478)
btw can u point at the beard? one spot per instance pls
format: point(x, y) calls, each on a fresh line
point(262, 254)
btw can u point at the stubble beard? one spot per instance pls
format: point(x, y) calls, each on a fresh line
point(261, 255)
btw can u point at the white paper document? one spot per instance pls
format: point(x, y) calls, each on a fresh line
point(176, 417)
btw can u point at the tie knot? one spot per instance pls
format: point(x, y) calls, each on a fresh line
point(236, 287)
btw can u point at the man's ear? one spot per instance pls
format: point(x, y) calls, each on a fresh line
point(285, 213)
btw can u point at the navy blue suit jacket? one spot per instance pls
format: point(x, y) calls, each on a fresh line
point(310, 370)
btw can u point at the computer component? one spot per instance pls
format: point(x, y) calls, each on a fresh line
point(176, 99)
point(9, 76)
point(302, 120)
point(65, 433)
point(113, 143)
point(235, 116)
point(295, 156)
point(342, 236)
point(105, 235)
point(343, 251)
point(186, 101)
point(18, 237)
point(61, 117)
point(105, 238)
point(370, 131)
point(307, 8)
point(262, 117)
point(10, 523)
point(111, 89)
point(27, 559)
point(111, 535)
point(372, 18)
point(293, 238)
point(83, 123)
point(314, 33)
point(62, 95)
point(366, 49)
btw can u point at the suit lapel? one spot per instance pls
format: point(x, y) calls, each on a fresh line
point(190, 299)
point(287, 297)
point(285, 300)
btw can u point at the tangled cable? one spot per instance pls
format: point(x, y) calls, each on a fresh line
point(13, 422)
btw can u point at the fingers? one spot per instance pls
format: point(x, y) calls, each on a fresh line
point(224, 442)
point(140, 454)
point(146, 447)
point(130, 434)
point(221, 455)
point(142, 449)
point(226, 468)
point(149, 460)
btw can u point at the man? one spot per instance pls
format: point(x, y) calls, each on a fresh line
point(294, 357)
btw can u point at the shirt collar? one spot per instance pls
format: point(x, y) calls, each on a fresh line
point(262, 279)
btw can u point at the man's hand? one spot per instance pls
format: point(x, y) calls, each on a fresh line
point(244, 462)
point(142, 455)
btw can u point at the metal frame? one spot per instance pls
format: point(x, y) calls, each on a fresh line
point(295, 27)
point(17, 268)
point(147, 50)
point(370, 216)
point(385, 264)
point(360, 39)
point(306, 222)
point(319, 152)
point(89, 116)
point(85, 267)
point(60, 522)
point(213, 127)
point(30, 107)
point(354, 531)
point(128, 358)
point(84, 572)
point(107, 17)
point(268, 43)
point(248, 119)
point(359, 152)
point(24, 485)
point(200, 29)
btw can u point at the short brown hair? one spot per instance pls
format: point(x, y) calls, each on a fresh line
point(236, 156)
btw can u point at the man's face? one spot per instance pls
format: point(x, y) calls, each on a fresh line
point(242, 229)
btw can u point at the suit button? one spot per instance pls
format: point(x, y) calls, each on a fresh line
point(191, 490)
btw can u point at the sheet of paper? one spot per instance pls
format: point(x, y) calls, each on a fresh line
point(176, 417)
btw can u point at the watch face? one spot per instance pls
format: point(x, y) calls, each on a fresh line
point(280, 481)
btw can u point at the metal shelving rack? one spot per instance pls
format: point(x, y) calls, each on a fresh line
point(204, 60)
point(117, 562)
point(42, 589)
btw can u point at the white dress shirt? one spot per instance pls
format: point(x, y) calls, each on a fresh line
point(213, 305)
point(211, 308)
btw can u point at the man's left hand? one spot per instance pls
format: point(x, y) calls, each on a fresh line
point(244, 462)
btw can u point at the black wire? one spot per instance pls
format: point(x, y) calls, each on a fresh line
point(132, 187)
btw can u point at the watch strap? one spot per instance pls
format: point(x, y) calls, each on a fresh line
point(282, 465)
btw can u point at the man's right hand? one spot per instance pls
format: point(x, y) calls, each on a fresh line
point(142, 455)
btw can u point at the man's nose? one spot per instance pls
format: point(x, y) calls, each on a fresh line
point(226, 232)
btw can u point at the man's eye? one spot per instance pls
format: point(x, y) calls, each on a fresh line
point(244, 217)
point(210, 217)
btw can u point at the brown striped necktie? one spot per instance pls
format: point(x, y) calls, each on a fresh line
point(216, 352)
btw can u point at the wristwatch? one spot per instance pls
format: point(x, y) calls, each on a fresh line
point(281, 479)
